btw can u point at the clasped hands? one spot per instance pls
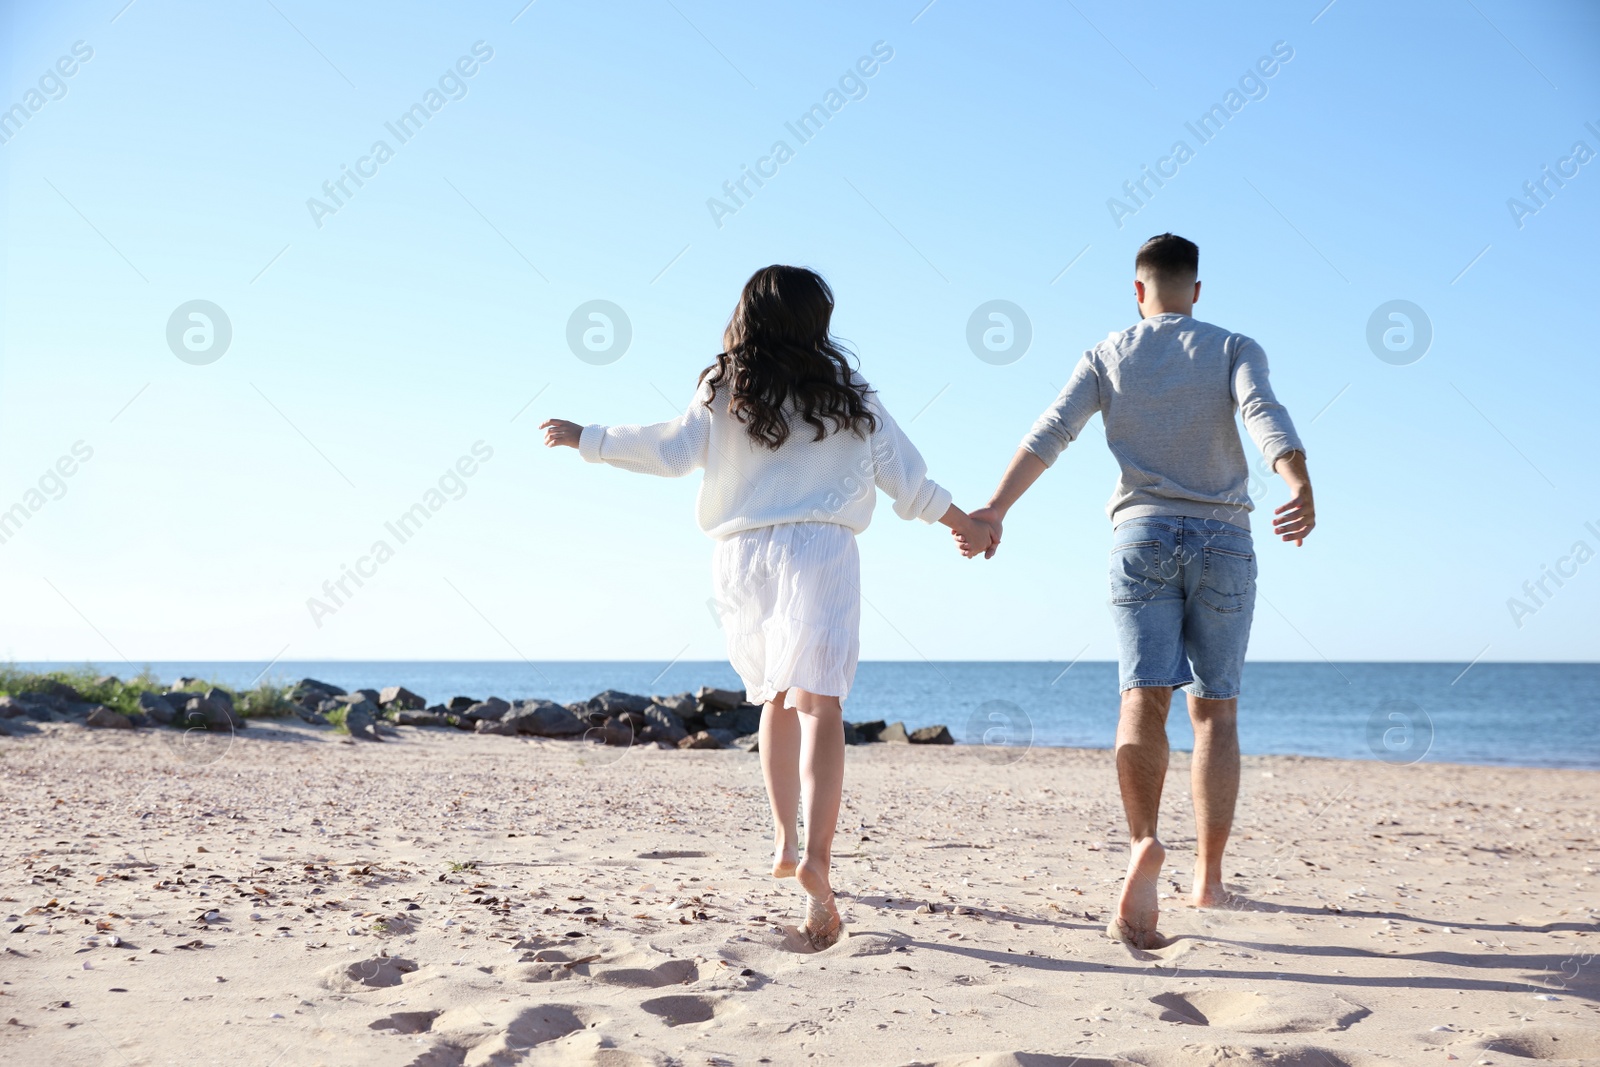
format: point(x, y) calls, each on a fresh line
point(980, 534)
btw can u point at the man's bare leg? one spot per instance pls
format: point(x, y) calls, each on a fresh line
point(1214, 780)
point(780, 766)
point(1141, 774)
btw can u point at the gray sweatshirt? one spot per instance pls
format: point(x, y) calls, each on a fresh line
point(1167, 389)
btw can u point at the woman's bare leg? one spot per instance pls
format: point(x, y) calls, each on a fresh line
point(822, 775)
point(780, 766)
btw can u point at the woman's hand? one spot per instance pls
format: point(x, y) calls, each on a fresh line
point(990, 517)
point(558, 432)
point(973, 538)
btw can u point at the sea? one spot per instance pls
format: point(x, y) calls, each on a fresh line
point(1515, 714)
point(1485, 712)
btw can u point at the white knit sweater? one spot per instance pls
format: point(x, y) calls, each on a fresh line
point(748, 485)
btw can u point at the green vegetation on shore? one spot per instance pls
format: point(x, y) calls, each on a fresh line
point(266, 700)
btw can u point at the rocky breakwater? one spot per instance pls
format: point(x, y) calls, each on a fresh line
point(708, 718)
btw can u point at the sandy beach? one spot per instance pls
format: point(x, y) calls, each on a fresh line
point(287, 896)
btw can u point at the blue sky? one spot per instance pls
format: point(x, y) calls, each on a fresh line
point(373, 347)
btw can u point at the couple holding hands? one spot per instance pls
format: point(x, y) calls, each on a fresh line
point(795, 444)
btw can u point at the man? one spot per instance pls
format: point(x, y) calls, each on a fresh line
point(1183, 567)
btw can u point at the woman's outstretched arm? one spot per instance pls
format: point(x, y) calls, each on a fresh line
point(670, 449)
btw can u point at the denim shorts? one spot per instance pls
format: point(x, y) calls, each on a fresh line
point(1183, 592)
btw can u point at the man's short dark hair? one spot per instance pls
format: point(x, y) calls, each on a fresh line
point(1169, 258)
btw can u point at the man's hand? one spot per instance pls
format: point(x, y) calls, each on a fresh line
point(558, 432)
point(991, 519)
point(1295, 520)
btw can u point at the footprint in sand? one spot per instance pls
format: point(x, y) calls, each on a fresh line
point(1237, 1056)
point(406, 1022)
point(1032, 1059)
point(685, 1009)
point(551, 965)
point(870, 943)
point(1547, 1043)
point(1256, 1013)
point(672, 972)
point(496, 1033)
point(379, 972)
point(851, 943)
point(440, 1056)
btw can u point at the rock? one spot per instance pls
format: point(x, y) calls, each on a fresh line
point(104, 718)
point(543, 718)
point(710, 699)
point(895, 734)
point(493, 708)
point(745, 719)
point(157, 707)
point(187, 683)
point(461, 722)
point(361, 719)
point(17, 727)
point(328, 706)
point(16, 708)
point(496, 726)
point(748, 743)
point(217, 707)
point(613, 702)
point(315, 718)
point(851, 735)
point(139, 720)
point(202, 712)
point(932, 735)
point(419, 718)
point(307, 686)
point(663, 724)
point(617, 732)
point(679, 703)
point(107, 679)
point(461, 703)
point(188, 714)
point(45, 702)
point(399, 698)
point(59, 690)
point(871, 732)
point(703, 739)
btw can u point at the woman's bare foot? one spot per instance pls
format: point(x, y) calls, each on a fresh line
point(1209, 895)
point(784, 861)
point(823, 925)
point(1137, 910)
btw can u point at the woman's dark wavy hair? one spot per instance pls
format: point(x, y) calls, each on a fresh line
point(777, 350)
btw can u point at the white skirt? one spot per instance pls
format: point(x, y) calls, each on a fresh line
point(789, 598)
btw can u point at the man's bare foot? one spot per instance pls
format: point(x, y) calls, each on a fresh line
point(1137, 910)
point(1209, 895)
point(823, 925)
